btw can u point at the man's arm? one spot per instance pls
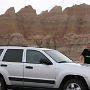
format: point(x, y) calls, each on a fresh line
point(81, 58)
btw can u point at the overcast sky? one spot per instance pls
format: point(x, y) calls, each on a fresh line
point(38, 5)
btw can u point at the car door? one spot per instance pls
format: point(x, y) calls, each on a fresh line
point(37, 74)
point(12, 65)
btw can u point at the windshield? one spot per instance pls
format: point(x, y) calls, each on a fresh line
point(57, 56)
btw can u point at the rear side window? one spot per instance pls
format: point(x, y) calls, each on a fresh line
point(1, 51)
point(13, 55)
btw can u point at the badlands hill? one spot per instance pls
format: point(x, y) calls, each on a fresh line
point(67, 31)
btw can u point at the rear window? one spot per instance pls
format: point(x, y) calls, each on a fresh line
point(13, 55)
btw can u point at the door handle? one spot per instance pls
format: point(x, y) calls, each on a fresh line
point(3, 65)
point(29, 67)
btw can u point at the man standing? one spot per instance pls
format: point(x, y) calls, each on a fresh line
point(86, 55)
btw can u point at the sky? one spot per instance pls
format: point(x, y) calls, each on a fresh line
point(38, 5)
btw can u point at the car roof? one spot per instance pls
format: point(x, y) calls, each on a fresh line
point(27, 47)
point(38, 48)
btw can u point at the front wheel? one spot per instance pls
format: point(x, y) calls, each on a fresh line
point(74, 84)
point(2, 84)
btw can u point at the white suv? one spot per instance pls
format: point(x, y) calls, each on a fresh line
point(40, 68)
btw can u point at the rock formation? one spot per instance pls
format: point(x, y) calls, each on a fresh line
point(67, 30)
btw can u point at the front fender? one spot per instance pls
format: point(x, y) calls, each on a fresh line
point(64, 73)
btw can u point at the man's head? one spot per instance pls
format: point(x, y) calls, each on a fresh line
point(88, 46)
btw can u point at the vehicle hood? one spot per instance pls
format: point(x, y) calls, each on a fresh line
point(74, 68)
point(74, 65)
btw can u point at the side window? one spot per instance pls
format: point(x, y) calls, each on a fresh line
point(1, 50)
point(33, 56)
point(13, 55)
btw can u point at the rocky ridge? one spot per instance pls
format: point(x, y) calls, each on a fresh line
point(67, 30)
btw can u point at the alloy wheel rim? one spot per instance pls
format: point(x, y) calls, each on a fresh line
point(0, 86)
point(73, 86)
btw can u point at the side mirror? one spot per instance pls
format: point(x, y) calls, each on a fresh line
point(45, 61)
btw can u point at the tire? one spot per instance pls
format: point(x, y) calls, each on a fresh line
point(74, 84)
point(2, 84)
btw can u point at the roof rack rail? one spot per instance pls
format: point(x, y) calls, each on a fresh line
point(15, 45)
point(39, 47)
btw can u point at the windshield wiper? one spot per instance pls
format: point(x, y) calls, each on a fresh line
point(62, 62)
